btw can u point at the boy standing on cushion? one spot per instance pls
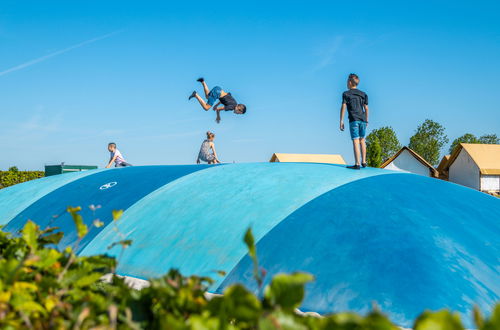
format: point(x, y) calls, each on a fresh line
point(226, 99)
point(356, 103)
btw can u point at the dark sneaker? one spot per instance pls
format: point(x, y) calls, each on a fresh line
point(364, 164)
point(193, 94)
point(354, 167)
point(200, 80)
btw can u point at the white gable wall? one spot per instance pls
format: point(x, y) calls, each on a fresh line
point(490, 182)
point(464, 171)
point(405, 162)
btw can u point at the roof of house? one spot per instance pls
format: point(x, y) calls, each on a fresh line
point(442, 164)
point(486, 157)
point(307, 158)
point(434, 172)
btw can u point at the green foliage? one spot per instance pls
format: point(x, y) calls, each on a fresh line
point(441, 320)
point(252, 252)
point(388, 141)
point(466, 138)
point(44, 288)
point(287, 291)
point(489, 139)
point(471, 138)
point(14, 176)
point(428, 141)
point(374, 153)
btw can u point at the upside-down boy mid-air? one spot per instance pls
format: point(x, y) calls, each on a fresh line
point(226, 99)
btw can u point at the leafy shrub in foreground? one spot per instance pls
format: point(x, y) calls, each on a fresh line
point(43, 288)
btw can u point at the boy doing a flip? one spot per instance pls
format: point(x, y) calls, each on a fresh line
point(218, 94)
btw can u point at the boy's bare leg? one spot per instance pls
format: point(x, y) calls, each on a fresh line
point(203, 104)
point(205, 88)
point(355, 144)
point(362, 143)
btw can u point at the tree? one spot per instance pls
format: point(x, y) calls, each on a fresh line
point(428, 141)
point(466, 138)
point(387, 139)
point(489, 139)
point(471, 138)
point(374, 153)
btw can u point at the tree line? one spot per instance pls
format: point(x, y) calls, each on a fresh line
point(428, 141)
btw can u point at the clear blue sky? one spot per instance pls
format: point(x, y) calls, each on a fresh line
point(75, 75)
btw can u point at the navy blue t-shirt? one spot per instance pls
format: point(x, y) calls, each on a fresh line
point(355, 101)
point(229, 102)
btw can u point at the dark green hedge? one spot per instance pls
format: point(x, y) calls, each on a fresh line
point(14, 176)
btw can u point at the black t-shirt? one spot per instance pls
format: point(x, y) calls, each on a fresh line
point(355, 101)
point(229, 102)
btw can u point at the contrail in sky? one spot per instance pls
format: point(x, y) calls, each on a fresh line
point(59, 52)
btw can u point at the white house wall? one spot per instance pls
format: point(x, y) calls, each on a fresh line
point(464, 171)
point(405, 162)
point(490, 182)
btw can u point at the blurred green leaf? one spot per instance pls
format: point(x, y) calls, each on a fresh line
point(281, 320)
point(287, 290)
point(493, 322)
point(249, 241)
point(81, 227)
point(123, 243)
point(440, 320)
point(117, 214)
point(252, 252)
point(30, 234)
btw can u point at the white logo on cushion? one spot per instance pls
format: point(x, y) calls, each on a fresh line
point(108, 185)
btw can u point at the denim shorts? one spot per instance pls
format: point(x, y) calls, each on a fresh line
point(214, 95)
point(357, 129)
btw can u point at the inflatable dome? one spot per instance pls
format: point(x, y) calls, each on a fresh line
point(405, 241)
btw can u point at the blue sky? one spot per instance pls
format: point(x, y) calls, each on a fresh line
point(75, 75)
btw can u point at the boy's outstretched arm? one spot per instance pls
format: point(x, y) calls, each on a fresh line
point(111, 160)
point(342, 112)
point(366, 112)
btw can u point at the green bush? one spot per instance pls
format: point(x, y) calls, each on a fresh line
point(14, 176)
point(43, 288)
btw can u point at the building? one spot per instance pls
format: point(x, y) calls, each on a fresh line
point(62, 168)
point(407, 160)
point(307, 158)
point(476, 166)
point(442, 170)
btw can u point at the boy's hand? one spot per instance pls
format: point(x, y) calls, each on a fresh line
point(217, 120)
point(342, 126)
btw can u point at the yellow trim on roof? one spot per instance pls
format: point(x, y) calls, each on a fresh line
point(307, 158)
point(489, 171)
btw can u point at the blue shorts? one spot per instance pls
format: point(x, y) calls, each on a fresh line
point(214, 95)
point(357, 129)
